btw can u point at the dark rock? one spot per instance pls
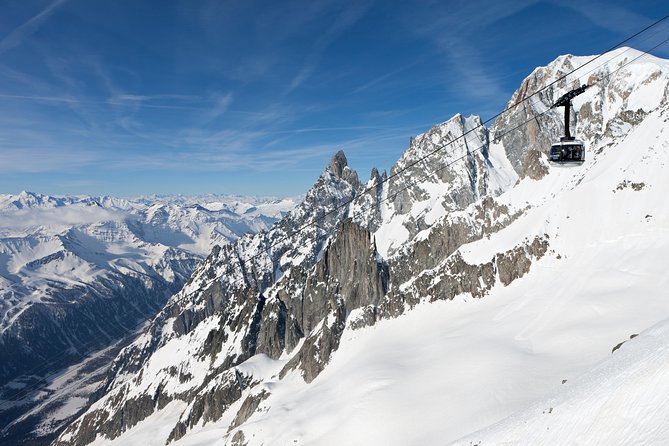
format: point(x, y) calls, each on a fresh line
point(348, 276)
point(515, 263)
point(238, 439)
point(208, 405)
point(319, 346)
point(249, 406)
point(534, 165)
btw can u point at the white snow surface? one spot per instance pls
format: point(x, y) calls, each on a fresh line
point(447, 369)
point(623, 400)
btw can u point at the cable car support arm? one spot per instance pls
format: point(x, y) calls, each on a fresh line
point(565, 101)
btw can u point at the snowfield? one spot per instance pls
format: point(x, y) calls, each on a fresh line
point(447, 369)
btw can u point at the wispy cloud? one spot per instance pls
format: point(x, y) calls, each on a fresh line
point(617, 19)
point(40, 159)
point(326, 129)
point(14, 38)
point(453, 30)
point(269, 161)
point(220, 103)
point(228, 158)
point(389, 75)
point(475, 77)
point(178, 102)
point(30, 98)
point(349, 15)
point(13, 76)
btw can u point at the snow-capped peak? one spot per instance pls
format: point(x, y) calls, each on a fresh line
point(477, 280)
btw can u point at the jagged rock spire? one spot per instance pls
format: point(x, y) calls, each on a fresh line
point(338, 166)
point(338, 163)
point(375, 174)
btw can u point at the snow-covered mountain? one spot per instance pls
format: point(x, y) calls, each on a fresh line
point(79, 273)
point(469, 287)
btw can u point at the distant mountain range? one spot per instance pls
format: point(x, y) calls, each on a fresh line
point(78, 274)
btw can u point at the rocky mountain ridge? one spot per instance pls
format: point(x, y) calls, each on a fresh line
point(270, 311)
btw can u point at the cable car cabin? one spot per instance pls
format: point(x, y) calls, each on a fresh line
point(569, 149)
point(567, 152)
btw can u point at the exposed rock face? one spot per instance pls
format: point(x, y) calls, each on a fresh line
point(210, 404)
point(458, 170)
point(366, 210)
point(272, 338)
point(454, 276)
point(249, 406)
point(319, 346)
point(481, 219)
point(339, 167)
point(350, 269)
point(458, 164)
point(238, 439)
point(226, 292)
point(535, 165)
point(539, 130)
point(514, 264)
point(348, 276)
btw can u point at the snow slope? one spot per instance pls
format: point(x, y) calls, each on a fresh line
point(446, 369)
point(623, 400)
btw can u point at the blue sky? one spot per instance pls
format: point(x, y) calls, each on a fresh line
point(254, 97)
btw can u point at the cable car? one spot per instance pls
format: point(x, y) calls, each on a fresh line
point(569, 149)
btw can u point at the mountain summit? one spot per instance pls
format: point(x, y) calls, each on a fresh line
point(338, 163)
